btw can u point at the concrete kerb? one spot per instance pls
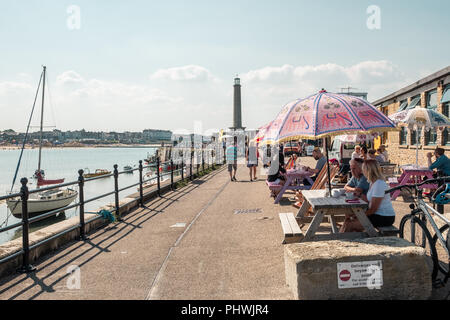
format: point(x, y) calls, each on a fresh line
point(93, 222)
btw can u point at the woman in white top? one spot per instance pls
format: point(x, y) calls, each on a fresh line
point(380, 212)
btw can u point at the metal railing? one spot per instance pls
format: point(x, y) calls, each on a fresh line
point(25, 193)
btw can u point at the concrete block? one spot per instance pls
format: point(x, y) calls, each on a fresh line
point(312, 269)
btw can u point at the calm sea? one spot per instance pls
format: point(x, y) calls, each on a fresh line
point(65, 163)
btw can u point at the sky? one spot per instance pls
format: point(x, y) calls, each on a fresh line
point(133, 65)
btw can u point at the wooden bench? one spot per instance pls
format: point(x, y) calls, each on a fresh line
point(390, 231)
point(291, 230)
point(274, 186)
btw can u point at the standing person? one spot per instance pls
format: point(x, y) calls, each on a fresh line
point(251, 156)
point(381, 212)
point(231, 155)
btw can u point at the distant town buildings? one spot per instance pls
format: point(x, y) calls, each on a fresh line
point(58, 137)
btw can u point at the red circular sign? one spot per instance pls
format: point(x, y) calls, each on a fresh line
point(344, 275)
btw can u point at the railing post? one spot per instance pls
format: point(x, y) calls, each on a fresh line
point(81, 195)
point(158, 175)
point(26, 266)
point(182, 170)
point(224, 158)
point(116, 192)
point(141, 192)
point(192, 157)
point(203, 159)
point(171, 174)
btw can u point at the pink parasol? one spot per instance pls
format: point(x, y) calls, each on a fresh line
point(326, 114)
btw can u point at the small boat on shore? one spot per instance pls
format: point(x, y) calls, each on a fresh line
point(98, 172)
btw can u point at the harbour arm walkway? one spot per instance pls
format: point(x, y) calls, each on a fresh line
point(213, 239)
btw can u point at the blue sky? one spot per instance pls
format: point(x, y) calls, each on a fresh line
point(177, 59)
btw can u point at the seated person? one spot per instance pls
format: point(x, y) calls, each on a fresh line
point(384, 152)
point(380, 156)
point(442, 163)
point(380, 212)
point(357, 152)
point(358, 184)
point(364, 154)
point(321, 161)
point(276, 170)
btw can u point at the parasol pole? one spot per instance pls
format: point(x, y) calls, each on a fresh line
point(328, 165)
point(417, 147)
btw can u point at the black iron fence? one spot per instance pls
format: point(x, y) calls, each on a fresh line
point(24, 194)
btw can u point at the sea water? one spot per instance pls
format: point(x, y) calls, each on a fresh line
point(59, 163)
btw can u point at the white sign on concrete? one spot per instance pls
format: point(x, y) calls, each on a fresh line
point(360, 274)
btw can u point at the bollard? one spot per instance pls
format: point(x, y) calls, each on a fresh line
point(141, 192)
point(26, 266)
point(81, 195)
point(116, 192)
point(171, 174)
point(157, 175)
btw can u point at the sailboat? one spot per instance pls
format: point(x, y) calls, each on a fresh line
point(44, 201)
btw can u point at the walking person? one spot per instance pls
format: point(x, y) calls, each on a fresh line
point(231, 156)
point(251, 156)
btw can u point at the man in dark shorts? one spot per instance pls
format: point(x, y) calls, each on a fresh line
point(231, 156)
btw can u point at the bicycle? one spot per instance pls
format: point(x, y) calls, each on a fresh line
point(414, 225)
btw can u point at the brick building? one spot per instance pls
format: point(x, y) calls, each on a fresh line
point(430, 92)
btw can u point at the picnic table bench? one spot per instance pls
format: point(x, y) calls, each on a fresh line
point(333, 208)
point(411, 174)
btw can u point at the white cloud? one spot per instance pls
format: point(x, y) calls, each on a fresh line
point(191, 93)
point(185, 73)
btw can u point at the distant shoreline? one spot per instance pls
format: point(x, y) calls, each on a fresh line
point(14, 147)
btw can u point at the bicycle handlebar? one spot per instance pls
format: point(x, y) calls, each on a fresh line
point(415, 185)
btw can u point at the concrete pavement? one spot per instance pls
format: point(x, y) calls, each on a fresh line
point(213, 239)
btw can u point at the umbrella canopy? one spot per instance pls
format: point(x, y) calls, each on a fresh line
point(326, 114)
point(261, 133)
point(425, 118)
point(419, 118)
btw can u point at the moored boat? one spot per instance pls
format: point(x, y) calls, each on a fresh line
point(98, 172)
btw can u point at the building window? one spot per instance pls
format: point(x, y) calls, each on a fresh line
point(430, 137)
point(414, 135)
point(415, 101)
point(403, 136)
point(446, 132)
point(403, 105)
point(432, 100)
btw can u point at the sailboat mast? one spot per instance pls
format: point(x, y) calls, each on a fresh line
point(42, 121)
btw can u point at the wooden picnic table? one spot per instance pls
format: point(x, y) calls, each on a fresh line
point(294, 181)
point(323, 205)
point(412, 174)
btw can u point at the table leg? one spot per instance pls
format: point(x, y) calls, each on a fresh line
point(334, 227)
point(403, 181)
point(315, 223)
point(283, 189)
point(365, 222)
point(303, 209)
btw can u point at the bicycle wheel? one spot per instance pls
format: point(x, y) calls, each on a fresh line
point(442, 256)
point(415, 231)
